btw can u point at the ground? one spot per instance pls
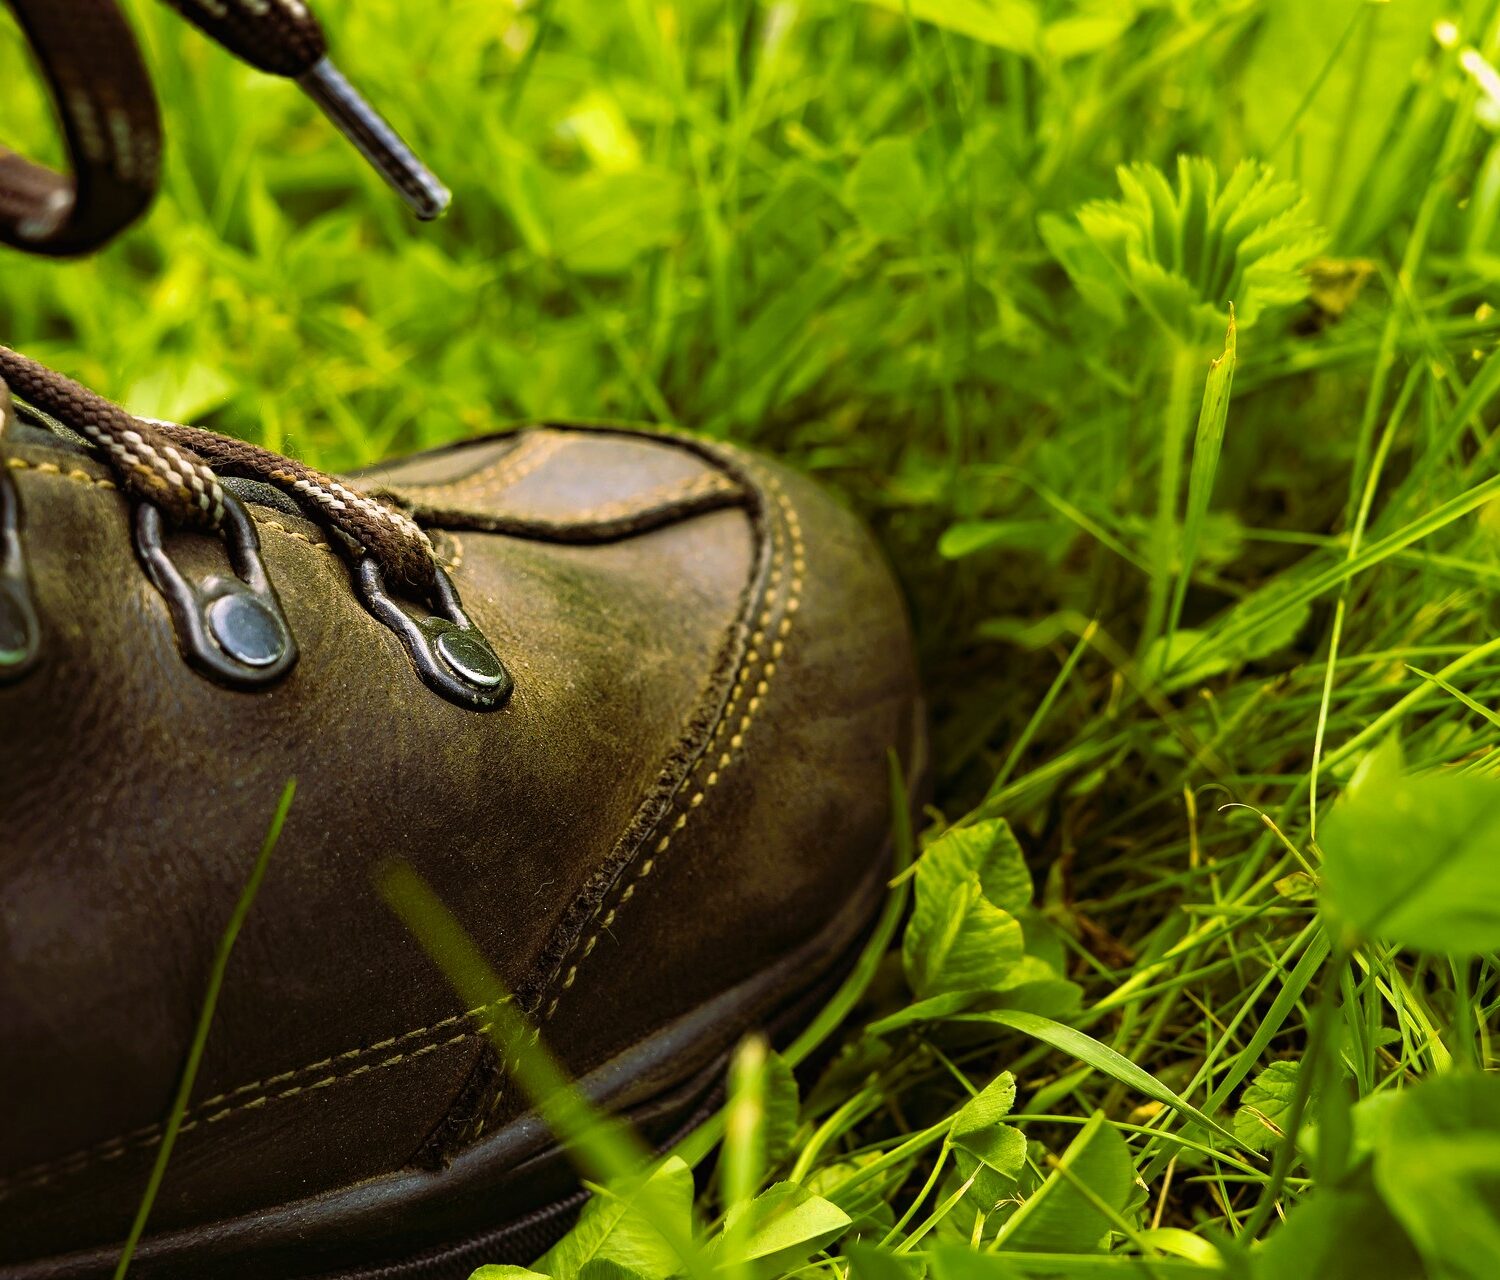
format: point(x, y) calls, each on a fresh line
point(1154, 339)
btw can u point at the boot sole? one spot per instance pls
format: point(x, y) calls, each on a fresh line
point(421, 1223)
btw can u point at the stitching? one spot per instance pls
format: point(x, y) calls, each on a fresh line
point(203, 1113)
point(514, 466)
point(737, 739)
point(727, 756)
point(678, 491)
point(752, 655)
point(52, 469)
point(458, 551)
point(151, 1135)
point(265, 522)
point(496, 479)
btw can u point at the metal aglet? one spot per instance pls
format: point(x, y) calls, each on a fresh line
point(19, 632)
point(380, 144)
point(230, 628)
point(449, 651)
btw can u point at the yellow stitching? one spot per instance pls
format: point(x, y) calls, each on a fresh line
point(150, 1135)
point(679, 491)
point(799, 569)
point(516, 464)
point(52, 469)
point(266, 523)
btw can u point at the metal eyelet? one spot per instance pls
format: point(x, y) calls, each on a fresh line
point(450, 653)
point(19, 633)
point(231, 629)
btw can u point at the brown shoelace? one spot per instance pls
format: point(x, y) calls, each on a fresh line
point(173, 467)
point(112, 128)
point(108, 109)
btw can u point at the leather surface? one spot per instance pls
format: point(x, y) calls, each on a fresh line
point(710, 665)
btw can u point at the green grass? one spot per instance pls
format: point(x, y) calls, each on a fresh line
point(1160, 642)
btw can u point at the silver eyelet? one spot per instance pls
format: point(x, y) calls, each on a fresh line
point(231, 629)
point(450, 653)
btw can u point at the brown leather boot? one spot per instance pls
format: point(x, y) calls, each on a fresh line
point(631, 723)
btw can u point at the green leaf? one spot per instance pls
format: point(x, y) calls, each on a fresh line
point(1339, 1234)
point(958, 941)
point(977, 1130)
point(780, 1229)
point(1438, 1170)
point(866, 1262)
point(1060, 1217)
point(960, 937)
point(1099, 1056)
point(1411, 858)
point(1323, 84)
point(1260, 1120)
point(949, 1262)
point(887, 190)
point(1084, 33)
point(1187, 255)
point(990, 848)
point(609, 1269)
point(968, 537)
point(1213, 416)
point(1193, 656)
point(501, 1272)
point(613, 1229)
point(1050, 997)
point(1029, 986)
point(1093, 275)
point(782, 1106)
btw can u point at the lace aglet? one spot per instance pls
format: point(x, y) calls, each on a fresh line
point(380, 144)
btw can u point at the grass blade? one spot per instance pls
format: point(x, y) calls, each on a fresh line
point(1099, 1056)
point(205, 1020)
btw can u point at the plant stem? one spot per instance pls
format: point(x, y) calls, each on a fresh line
point(1176, 420)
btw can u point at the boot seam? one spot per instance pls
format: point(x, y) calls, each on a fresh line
point(202, 1113)
point(766, 648)
point(700, 793)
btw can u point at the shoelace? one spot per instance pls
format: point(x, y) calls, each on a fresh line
point(112, 128)
point(231, 628)
point(174, 467)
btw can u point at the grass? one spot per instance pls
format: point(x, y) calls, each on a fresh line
point(1171, 638)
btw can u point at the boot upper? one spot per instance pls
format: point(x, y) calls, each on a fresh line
point(689, 780)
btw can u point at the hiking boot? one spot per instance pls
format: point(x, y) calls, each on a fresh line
point(624, 700)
